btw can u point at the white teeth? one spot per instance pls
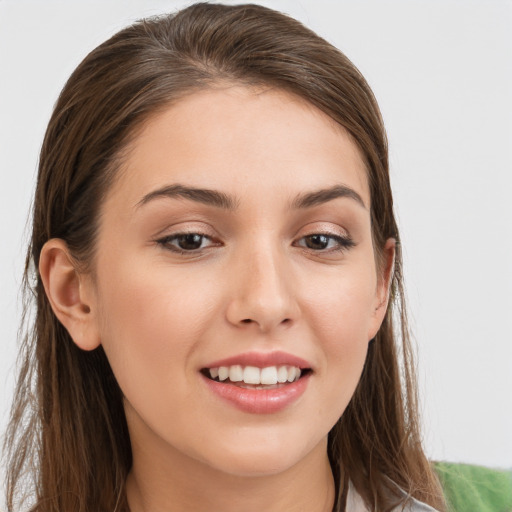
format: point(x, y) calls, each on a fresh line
point(236, 373)
point(252, 375)
point(293, 373)
point(282, 374)
point(223, 373)
point(269, 375)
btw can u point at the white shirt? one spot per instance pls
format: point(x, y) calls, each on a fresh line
point(355, 503)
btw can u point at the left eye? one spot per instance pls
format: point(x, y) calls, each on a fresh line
point(322, 241)
point(185, 242)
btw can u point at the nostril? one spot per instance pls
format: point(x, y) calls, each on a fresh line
point(248, 321)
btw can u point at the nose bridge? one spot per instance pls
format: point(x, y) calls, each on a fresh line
point(262, 293)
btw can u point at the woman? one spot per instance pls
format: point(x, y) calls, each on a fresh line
point(219, 275)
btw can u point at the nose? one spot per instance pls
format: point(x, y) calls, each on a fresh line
point(262, 294)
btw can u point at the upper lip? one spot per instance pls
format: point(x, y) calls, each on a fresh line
point(262, 360)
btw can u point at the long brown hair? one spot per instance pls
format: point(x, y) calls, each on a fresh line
point(67, 438)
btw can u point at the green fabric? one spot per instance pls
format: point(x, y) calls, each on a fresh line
point(470, 488)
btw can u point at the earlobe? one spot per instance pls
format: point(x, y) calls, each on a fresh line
point(69, 294)
point(383, 286)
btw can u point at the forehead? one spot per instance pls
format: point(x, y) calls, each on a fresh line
point(236, 136)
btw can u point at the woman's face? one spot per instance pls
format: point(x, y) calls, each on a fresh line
point(236, 241)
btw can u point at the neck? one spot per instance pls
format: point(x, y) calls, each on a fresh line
point(173, 482)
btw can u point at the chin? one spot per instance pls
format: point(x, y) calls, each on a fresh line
point(265, 457)
point(260, 465)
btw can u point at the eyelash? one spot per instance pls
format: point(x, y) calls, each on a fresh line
point(344, 242)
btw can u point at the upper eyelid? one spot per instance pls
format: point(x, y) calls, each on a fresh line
point(210, 236)
point(203, 227)
point(189, 228)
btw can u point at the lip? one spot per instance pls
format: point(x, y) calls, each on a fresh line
point(260, 401)
point(262, 360)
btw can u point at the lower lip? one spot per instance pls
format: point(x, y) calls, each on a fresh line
point(259, 401)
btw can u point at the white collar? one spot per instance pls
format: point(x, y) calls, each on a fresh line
point(355, 503)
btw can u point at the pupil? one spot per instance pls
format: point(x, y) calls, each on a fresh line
point(190, 241)
point(317, 241)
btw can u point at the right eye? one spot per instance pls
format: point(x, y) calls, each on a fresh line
point(185, 242)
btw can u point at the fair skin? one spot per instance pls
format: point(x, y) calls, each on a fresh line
point(264, 274)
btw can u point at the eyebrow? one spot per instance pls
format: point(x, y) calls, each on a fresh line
point(325, 195)
point(226, 202)
point(200, 195)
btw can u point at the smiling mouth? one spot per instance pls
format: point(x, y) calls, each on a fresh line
point(252, 377)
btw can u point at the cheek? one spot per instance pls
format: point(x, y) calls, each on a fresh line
point(342, 307)
point(149, 324)
point(340, 315)
point(152, 298)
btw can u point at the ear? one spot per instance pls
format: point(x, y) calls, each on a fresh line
point(70, 293)
point(383, 287)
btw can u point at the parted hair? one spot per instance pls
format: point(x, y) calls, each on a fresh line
point(67, 445)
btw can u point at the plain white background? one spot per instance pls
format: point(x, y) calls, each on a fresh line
point(442, 73)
